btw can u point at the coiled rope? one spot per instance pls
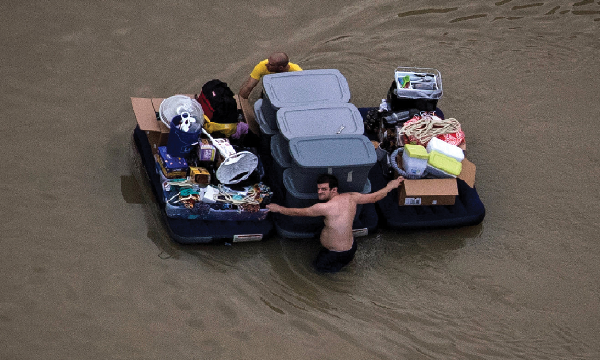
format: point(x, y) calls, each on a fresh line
point(428, 127)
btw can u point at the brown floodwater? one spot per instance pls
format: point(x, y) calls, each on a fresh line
point(89, 273)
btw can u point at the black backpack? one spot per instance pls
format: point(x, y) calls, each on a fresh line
point(218, 102)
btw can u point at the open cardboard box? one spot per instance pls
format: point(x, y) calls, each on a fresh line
point(146, 114)
point(435, 191)
point(145, 110)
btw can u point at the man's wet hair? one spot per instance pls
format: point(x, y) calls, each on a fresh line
point(328, 179)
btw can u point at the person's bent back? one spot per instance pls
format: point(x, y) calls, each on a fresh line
point(276, 63)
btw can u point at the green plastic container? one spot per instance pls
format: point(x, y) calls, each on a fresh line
point(445, 163)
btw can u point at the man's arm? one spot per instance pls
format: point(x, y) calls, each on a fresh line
point(247, 87)
point(315, 210)
point(377, 195)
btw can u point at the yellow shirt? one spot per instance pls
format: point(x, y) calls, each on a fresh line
point(260, 69)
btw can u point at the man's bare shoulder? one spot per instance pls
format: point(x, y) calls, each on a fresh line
point(350, 195)
point(347, 197)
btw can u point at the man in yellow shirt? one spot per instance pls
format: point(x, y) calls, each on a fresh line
point(276, 63)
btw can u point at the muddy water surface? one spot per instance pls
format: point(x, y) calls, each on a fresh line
point(88, 272)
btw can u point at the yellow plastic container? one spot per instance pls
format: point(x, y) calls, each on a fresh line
point(414, 159)
point(445, 163)
point(416, 151)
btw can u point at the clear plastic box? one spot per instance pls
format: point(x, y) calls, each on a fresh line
point(414, 159)
point(203, 211)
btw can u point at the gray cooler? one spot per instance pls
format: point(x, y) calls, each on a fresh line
point(301, 88)
point(348, 157)
point(320, 119)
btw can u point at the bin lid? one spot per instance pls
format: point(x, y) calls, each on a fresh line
point(416, 151)
point(323, 119)
point(445, 163)
point(298, 88)
point(333, 150)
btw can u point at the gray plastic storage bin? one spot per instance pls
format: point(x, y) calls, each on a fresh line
point(348, 157)
point(301, 88)
point(298, 199)
point(280, 150)
point(322, 119)
point(265, 128)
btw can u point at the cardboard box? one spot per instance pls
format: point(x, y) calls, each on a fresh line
point(435, 191)
point(428, 192)
point(155, 130)
point(146, 114)
point(200, 176)
point(168, 173)
point(172, 167)
point(468, 172)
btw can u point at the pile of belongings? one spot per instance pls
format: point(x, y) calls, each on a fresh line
point(201, 168)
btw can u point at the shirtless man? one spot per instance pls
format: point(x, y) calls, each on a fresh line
point(339, 211)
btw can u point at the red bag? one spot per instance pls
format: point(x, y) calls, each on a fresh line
point(206, 107)
point(218, 102)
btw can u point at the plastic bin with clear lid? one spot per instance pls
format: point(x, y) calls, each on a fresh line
point(424, 83)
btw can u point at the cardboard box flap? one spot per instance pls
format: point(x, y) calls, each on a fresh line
point(425, 187)
point(468, 173)
point(156, 103)
point(144, 114)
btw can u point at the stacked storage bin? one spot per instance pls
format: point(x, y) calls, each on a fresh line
point(312, 129)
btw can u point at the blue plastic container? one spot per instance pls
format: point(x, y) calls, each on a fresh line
point(180, 143)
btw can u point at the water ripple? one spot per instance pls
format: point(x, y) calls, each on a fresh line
point(469, 14)
point(519, 7)
point(427, 11)
point(470, 17)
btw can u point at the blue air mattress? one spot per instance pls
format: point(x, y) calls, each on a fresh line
point(467, 209)
point(196, 231)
